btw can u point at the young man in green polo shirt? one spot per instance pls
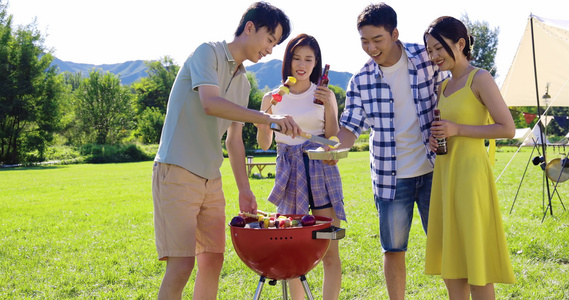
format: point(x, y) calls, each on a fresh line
point(209, 97)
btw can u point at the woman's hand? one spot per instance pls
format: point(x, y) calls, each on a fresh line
point(444, 129)
point(326, 95)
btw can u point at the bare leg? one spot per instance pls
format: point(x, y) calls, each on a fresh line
point(332, 273)
point(178, 271)
point(394, 270)
point(207, 277)
point(483, 292)
point(458, 289)
point(296, 289)
point(331, 263)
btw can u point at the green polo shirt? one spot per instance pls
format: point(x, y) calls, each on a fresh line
point(190, 138)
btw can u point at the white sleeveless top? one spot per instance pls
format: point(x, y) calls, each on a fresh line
point(309, 116)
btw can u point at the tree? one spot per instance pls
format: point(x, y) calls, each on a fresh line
point(340, 98)
point(152, 95)
point(70, 124)
point(104, 108)
point(485, 44)
point(73, 80)
point(154, 90)
point(149, 125)
point(255, 99)
point(29, 92)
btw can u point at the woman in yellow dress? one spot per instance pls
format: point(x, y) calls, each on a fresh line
point(466, 243)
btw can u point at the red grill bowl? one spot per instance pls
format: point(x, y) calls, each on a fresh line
point(283, 253)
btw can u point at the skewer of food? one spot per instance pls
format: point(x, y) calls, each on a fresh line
point(283, 90)
point(271, 220)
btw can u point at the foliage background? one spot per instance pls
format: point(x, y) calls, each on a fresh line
point(43, 112)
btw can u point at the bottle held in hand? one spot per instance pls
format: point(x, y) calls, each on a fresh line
point(323, 81)
point(442, 147)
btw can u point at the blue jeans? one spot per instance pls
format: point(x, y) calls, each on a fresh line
point(395, 216)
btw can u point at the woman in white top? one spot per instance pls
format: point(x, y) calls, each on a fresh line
point(302, 184)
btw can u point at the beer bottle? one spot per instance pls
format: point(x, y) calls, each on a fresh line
point(323, 81)
point(442, 148)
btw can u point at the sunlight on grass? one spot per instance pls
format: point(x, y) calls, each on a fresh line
point(86, 231)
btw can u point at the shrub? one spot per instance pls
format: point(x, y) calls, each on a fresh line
point(95, 153)
point(149, 126)
point(360, 147)
point(62, 153)
point(363, 138)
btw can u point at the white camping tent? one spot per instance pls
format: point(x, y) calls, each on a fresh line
point(551, 45)
point(522, 133)
point(532, 137)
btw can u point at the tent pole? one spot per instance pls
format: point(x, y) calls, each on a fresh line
point(542, 134)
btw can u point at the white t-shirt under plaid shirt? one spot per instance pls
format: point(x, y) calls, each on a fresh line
point(369, 104)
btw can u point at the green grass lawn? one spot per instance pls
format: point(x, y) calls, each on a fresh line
point(85, 232)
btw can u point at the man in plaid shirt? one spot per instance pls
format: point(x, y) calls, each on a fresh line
point(394, 95)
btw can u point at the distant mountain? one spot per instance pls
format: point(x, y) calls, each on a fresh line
point(129, 71)
point(268, 74)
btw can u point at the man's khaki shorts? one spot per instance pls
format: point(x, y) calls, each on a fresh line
point(189, 212)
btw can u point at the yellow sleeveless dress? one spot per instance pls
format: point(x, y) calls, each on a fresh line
point(465, 236)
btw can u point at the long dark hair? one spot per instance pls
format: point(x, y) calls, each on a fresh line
point(453, 30)
point(302, 40)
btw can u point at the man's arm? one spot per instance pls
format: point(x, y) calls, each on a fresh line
point(264, 133)
point(236, 153)
point(214, 105)
point(347, 138)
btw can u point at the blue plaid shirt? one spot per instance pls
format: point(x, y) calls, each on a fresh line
point(369, 104)
point(290, 192)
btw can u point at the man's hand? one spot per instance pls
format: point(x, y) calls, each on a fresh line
point(247, 202)
point(433, 143)
point(346, 140)
point(329, 162)
point(287, 125)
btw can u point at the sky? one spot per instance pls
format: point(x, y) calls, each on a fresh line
point(116, 31)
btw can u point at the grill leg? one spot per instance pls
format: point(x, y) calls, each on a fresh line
point(306, 288)
point(285, 289)
point(259, 288)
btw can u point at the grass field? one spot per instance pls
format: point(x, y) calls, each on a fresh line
point(85, 232)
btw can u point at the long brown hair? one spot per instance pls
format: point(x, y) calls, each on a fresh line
point(300, 41)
